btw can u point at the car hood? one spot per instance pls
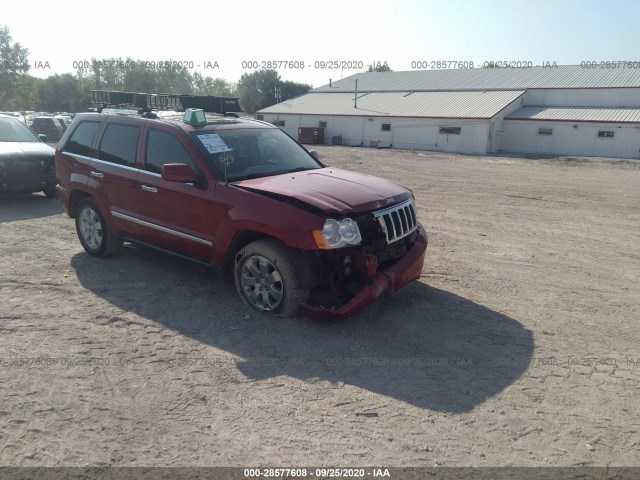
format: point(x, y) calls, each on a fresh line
point(15, 150)
point(331, 189)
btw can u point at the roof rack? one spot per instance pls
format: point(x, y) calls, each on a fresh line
point(147, 102)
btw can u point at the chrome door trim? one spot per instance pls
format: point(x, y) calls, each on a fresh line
point(161, 228)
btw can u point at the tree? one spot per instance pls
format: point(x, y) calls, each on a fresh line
point(61, 93)
point(257, 90)
point(14, 64)
point(212, 86)
point(291, 89)
point(24, 94)
point(379, 67)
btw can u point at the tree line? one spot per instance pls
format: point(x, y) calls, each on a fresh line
point(20, 91)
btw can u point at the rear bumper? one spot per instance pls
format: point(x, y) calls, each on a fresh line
point(406, 270)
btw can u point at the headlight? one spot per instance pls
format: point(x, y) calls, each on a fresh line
point(336, 234)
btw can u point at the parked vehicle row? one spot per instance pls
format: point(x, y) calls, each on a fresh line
point(53, 125)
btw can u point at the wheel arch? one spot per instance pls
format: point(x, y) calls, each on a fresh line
point(74, 200)
point(307, 264)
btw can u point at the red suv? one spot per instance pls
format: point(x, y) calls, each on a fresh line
point(48, 126)
point(241, 194)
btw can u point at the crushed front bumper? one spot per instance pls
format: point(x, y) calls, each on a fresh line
point(404, 271)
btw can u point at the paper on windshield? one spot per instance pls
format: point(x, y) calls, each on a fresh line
point(213, 143)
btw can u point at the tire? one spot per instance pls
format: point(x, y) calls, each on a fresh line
point(266, 279)
point(50, 191)
point(94, 235)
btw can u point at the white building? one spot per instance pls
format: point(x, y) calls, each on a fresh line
point(565, 110)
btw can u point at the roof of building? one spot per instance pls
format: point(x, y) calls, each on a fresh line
point(564, 76)
point(577, 114)
point(475, 105)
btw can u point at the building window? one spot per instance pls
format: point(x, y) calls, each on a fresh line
point(450, 130)
point(386, 127)
point(605, 133)
point(278, 123)
point(322, 124)
point(259, 117)
point(545, 131)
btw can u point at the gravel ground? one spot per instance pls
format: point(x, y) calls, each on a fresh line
point(518, 346)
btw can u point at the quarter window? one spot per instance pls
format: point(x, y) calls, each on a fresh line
point(119, 145)
point(82, 138)
point(164, 148)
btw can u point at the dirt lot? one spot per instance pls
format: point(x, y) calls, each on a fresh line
point(518, 346)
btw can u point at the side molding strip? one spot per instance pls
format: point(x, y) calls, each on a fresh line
point(160, 228)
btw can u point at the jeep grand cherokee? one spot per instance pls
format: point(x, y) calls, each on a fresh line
point(242, 194)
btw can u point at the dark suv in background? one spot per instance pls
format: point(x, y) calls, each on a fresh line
point(242, 194)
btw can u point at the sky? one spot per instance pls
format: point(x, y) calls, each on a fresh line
point(316, 39)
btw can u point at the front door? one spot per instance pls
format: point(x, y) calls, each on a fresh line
point(175, 216)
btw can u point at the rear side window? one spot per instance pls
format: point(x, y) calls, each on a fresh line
point(82, 138)
point(164, 148)
point(119, 144)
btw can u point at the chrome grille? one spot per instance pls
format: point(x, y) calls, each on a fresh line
point(398, 221)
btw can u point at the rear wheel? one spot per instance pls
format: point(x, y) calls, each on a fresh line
point(266, 278)
point(94, 235)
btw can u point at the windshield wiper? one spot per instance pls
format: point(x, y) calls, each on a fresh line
point(298, 169)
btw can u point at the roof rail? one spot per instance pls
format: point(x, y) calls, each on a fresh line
point(147, 102)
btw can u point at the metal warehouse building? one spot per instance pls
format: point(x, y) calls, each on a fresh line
point(564, 110)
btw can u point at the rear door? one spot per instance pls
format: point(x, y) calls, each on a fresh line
point(175, 216)
point(114, 174)
point(74, 163)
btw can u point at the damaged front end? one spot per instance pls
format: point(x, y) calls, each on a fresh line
point(390, 255)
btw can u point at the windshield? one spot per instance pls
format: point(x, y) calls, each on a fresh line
point(12, 130)
point(253, 153)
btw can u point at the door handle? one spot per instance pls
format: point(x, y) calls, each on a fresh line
point(97, 174)
point(147, 188)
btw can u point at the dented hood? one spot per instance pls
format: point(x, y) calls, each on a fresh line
point(331, 189)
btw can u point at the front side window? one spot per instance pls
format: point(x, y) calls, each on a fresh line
point(119, 145)
point(82, 138)
point(162, 148)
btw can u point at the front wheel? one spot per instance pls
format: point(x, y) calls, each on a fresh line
point(266, 278)
point(94, 235)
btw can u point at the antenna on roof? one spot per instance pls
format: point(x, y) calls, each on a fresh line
point(355, 97)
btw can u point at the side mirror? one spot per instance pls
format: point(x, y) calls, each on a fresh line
point(314, 154)
point(42, 137)
point(178, 172)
